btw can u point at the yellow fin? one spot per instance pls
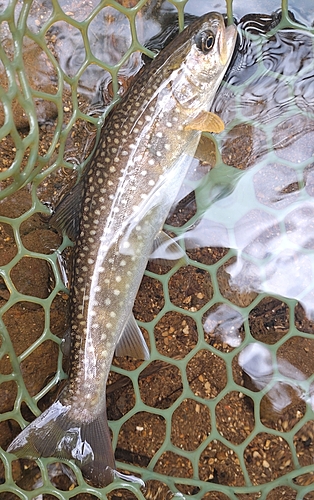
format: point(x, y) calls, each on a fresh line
point(206, 150)
point(206, 121)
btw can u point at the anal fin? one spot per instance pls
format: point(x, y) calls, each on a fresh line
point(132, 342)
point(166, 250)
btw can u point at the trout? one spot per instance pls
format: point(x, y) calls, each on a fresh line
point(115, 215)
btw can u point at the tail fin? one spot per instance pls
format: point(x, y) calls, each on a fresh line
point(55, 434)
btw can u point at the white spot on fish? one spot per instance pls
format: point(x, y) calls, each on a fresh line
point(151, 183)
point(107, 302)
point(118, 279)
point(116, 292)
point(112, 314)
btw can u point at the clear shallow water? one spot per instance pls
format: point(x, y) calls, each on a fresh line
point(268, 208)
point(258, 200)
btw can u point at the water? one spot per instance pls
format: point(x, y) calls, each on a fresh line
point(255, 207)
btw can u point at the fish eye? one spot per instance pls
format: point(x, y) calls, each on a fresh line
point(205, 40)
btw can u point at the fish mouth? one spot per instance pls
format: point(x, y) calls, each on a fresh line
point(227, 37)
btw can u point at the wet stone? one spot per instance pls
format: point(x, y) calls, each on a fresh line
point(206, 373)
point(220, 464)
point(223, 327)
point(42, 360)
point(195, 288)
point(175, 334)
point(172, 464)
point(234, 417)
point(120, 396)
point(30, 276)
point(149, 298)
point(243, 146)
point(150, 431)
point(165, 376)
point(185, 436)
point(267, 456)
point(269, 320)
point(234, 291)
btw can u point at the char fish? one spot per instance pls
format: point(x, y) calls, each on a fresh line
point(115, 215)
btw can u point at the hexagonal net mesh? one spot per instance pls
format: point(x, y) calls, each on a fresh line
point(224, 407)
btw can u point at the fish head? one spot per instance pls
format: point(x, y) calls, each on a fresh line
point(212, 48)
point(205, 55)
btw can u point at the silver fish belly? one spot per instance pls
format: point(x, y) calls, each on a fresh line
point(115, 214)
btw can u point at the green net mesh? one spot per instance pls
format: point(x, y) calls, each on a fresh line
point(191, 422)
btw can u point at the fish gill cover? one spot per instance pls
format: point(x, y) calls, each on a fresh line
point(224, 406)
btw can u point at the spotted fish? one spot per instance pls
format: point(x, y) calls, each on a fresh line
point(115, 215)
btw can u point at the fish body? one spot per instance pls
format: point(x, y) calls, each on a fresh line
point(115, 214)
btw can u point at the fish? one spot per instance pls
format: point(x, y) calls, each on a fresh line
point(115, 216)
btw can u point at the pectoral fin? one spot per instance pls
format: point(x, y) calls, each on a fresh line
point(206, 121)
point(165, 249)
point(206, 151)
point(132, 342)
